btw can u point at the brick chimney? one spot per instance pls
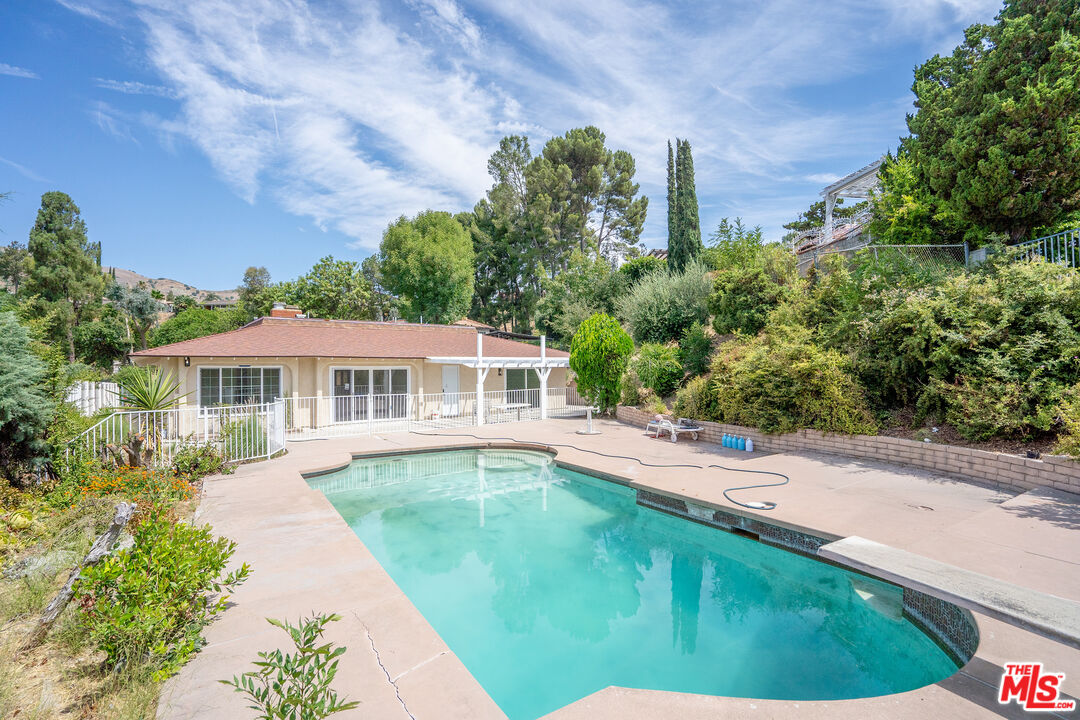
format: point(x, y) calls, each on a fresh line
point(281, 310)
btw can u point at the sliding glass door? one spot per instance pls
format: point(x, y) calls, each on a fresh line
point(370, 393)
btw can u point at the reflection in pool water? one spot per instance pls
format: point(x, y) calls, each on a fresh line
point(551, 585)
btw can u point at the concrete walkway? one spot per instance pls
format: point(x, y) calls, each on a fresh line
point(304, 558)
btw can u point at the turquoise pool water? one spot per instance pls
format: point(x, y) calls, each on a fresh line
point(551, 585)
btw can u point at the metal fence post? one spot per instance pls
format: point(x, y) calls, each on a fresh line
point(967, 254)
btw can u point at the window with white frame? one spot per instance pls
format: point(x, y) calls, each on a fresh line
point(519, 383)
point(238, 386)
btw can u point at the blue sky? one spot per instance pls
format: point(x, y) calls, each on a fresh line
point(203, 136)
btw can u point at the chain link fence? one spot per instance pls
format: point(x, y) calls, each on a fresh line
point(921, 258)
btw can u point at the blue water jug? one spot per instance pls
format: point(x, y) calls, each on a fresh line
point(727, 440)
point(742, 443)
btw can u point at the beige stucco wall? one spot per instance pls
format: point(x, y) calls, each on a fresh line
point(311, 377)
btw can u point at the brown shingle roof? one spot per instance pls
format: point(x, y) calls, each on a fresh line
point(301, 337)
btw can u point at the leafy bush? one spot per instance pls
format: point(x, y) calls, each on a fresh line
point(101, 341)
point(243, 437)
point(587, 286)
point(599, 354)
point(697, 400)
point(695, 349)
point(197, 460)
point(631, 389)
point(24, 407)
point(780, 381)
point(658, 367)
point(653, 405)
point(196, 323)
point(743, 295)
point(296, 685)
point(663, 304)
point(637, 268)
point(1069, 414)
point(991, 351)
point(150, 602)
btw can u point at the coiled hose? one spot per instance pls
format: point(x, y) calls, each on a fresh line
point(752, 505)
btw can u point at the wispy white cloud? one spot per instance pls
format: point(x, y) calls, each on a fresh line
point(112, 122)
point(23, 170)
point(16, 71)
point(355, 115)
point(131, 87)
point(90, 10)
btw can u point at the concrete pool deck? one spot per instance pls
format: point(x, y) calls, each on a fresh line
point(305, 558)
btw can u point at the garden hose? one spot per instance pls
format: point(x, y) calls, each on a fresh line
point(751, 505)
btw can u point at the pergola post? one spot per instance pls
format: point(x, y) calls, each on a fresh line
point(543, 372)
point(481, 376)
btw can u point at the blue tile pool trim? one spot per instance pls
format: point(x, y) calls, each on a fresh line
point(952, 628)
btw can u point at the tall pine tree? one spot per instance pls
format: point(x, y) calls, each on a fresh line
point(996, 132)
point(672, 216)
point(684, 240)
point(65, 270)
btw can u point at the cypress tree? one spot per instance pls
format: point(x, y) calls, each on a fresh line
point(672, 216)
point(687, 245)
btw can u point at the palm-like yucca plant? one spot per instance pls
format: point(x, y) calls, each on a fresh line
point(150, 390)
point(147, 392)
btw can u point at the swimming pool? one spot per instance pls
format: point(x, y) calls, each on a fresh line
point(550, 585)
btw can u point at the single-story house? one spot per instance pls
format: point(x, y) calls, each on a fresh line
point(348, 371)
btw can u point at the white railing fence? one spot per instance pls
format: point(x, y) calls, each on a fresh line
point(247, 432)
point(90, 397)
point(238, 432)
point(309, 418)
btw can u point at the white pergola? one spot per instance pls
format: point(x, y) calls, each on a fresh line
point(857, 185)
point(543, 366)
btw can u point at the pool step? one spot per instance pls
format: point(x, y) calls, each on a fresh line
point(1043, 614)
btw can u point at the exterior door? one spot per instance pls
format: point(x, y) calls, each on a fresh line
point(351, 390)
point(451, 386)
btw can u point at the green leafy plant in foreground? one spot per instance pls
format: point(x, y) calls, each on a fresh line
point(150, 602)
point(295, 686)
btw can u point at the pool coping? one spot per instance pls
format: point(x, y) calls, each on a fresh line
point(953, 628)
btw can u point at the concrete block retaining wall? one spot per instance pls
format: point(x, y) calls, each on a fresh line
point(998, 469)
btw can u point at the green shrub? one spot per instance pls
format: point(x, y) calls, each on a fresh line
point(150, 602)
point(744, 295)
point(1069, 417)
point(196, 323)
point(197, 460)
point(631, 389)
point(780, 381)
point(658, 367)
point(637, 268)
point(296, 686)
point(663, 304)
point(1002, 342)
point(653, 404)
point(101, 341)
point(599, 354)
point(25, 408)
point(586, 286)
point(695, 349)
point(697, 399)
point(243, 437)
point(981, 409)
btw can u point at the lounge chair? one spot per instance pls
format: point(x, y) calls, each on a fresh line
point(660, 424)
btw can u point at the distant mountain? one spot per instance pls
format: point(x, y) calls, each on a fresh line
point(130, 278)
